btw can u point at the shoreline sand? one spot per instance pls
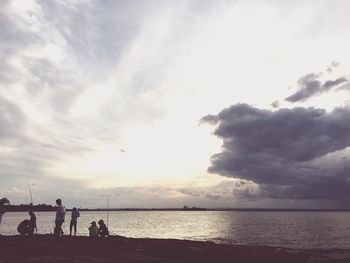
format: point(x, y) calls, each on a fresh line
point(46, 248)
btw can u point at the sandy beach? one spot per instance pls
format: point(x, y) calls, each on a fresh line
point(46, 248)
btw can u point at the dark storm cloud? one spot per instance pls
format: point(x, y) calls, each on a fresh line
point(333, 66)
point(212, 119)
point(310, 85)
point(285, 151)
point(225, 190)
point(329, 84)
point(345, 87)
point(275, 104)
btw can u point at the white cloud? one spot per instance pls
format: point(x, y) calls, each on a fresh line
point(92, 77)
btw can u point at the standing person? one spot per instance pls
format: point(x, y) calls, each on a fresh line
point(103, 232)
point(2, 212)
point(74, 221)
point(93, 230)
point(60, 215)
point(32, 223)
point(3, 201)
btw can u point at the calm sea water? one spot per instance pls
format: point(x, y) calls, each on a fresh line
point(285, 229)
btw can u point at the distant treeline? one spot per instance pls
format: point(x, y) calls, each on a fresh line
point(27, 207)
point(48, 208)
point(185, 208)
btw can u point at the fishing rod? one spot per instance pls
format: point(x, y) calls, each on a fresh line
point(30, 192)
point(107, 209)
point(31, 201)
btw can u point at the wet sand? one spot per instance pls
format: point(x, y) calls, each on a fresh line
point(46, 248)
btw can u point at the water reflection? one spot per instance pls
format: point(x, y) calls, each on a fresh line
point(288, 229)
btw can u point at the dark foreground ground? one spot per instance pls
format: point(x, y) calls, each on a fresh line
point(45, 248)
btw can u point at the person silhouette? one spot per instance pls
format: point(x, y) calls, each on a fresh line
point(103, 230)
point(60, 215)
point(3, 201)
point(93, 230)
point(23, 228)
point(32, 223)
point(74, 221)
point(27, 227)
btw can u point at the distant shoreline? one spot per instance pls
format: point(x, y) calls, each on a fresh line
point(50, 208)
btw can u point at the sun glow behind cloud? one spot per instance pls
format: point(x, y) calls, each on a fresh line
point(94, 78)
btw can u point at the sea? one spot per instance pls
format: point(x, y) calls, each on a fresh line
point(262, 228)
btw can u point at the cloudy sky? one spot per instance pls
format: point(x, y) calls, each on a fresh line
point(167, 103)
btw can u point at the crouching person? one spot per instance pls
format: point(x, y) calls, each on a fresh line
point(27, 227)
point(23, 228)
point(103, 232)
point(93, 230)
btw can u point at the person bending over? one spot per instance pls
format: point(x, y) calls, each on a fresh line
point(23, 228)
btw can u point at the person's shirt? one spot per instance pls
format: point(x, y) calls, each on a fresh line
point(93, 231)
point(75, 215)
point(60, 213)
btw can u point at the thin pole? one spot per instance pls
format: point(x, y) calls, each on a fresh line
point(107, 209)
point(30, 192)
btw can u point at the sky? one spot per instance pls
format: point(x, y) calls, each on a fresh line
point(172, 103)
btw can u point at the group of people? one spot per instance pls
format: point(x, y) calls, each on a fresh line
point(101, 230)
point(94, 230)
point(28, 226)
